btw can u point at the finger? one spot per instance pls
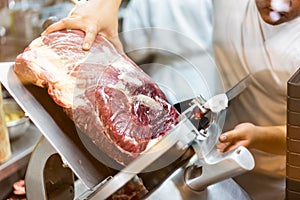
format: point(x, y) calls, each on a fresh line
point(67, 23)
point(225, 147)
point(90, 36)
point(222, 146)
point(54, 27)
point(223, 137)
point(230, 147)
point(230, 136)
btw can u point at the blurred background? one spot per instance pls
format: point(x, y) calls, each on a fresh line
point(22, 21)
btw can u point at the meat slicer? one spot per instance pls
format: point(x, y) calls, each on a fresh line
point(184, 164)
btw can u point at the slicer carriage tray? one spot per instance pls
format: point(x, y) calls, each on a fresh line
point(61, 133)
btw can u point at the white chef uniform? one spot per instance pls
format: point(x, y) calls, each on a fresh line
point(192, 18)
point(244, 44)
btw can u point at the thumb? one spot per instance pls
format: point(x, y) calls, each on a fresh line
point(223, 137)
point(230, 136)
point(89, 39)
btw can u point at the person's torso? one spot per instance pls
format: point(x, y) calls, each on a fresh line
point(243, 45)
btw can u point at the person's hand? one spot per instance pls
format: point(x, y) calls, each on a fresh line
point(92, 17)
point(244, 134)
point(271, 139)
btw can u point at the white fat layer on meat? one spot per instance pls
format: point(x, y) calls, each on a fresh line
point(36, 43)
point(51, 60)
point(63, 83)
point(151, 143)
point(126, 139)
point(148, 101)
point(280, 5)
point(93, 58)
point(130, 139)
point(120, 85)
point(105, 57)
point(163, 101)
point(79, 101)
point(122, 65)
point(130, 79)
point(125, 72)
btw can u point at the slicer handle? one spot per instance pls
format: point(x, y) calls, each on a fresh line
point(228, 165)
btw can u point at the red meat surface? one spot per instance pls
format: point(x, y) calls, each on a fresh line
point(106, 94)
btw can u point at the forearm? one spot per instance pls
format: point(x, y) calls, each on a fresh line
point(270, 139)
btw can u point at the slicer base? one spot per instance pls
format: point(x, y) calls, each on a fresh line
point(46, 177)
